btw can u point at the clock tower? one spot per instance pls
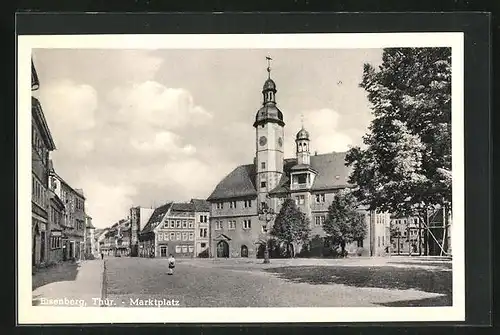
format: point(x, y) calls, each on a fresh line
point(269, 132)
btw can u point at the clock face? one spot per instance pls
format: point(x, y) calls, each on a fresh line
point(280, 141)
point(262, 140)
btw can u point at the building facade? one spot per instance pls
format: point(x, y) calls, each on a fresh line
point(237, 226)
point(171, 229)
point(139, 217)
point(55, 229)
point(201, 228)
point(90, 240)
point(41, 146)
point(74, 218)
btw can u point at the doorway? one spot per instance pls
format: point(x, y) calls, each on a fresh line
point(42, 247)
point(222, 249)
point(244, 251)
point(163, 251)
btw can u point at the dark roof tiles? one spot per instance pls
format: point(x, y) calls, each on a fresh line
point(332, 173)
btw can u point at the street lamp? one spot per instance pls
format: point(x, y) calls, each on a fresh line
point(266, 214)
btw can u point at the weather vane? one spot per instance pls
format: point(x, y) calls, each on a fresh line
point(302, 120)
point(269, 59)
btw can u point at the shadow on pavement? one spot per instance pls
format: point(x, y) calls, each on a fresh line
point(56, 273)
point(387, 277)
point(444, 300)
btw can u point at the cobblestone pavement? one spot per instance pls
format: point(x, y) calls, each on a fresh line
point(236, 283)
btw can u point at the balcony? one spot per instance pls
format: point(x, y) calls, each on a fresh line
point(301, 186)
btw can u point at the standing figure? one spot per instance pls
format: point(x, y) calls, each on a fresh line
point(102, 255)
point(171, 264)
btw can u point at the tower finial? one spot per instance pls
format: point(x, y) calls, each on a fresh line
point(302, 120)
point(269, 59)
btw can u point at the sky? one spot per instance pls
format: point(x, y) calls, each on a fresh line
point(143, 127)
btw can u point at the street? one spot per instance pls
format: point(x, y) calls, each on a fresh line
point(136, 282)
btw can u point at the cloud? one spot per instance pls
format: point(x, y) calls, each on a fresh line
point(163, 141)
point(152, 105)
point(106, 202)
point(70, 110)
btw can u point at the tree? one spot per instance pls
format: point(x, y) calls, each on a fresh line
point(291, 225)
point(405, 166)
point(344, 223)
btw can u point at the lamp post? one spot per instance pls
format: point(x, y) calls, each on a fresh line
point(266, 214)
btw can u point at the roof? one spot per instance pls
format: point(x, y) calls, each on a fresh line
point(89, 224)
point(239, 183)
point(156, 218)
point(55, 174)
point(182, 207)
point(332, 173)
point(37, 112)
point(201, 205)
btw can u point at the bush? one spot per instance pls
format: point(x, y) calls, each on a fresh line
point(204, 254)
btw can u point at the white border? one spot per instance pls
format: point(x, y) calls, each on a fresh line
point(28, 314)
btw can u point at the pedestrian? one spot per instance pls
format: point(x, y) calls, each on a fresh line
point(171, 264)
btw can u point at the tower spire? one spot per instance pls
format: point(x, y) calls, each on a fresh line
point(269, 59)
point(302, 120)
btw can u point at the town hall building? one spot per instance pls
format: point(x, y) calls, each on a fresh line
point(312, 180)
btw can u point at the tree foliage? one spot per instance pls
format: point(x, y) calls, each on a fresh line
point(344, 222)
point(291, 225)
point(407, 156)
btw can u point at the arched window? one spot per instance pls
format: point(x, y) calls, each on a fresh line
point(244, 251)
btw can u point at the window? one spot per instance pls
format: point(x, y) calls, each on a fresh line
point(172, 236)
point(191, 248)
point(383, 240)
point(191, 236)
point(219, 205)
point(184, 249)
point(178, 249)
point(262, 184)
point(184, 224)
point(299, 200)
point(218, 225)
point(160, 236)
point(178, 236)
point(184, 236)
point(232, 204)
point(203, 218)
point(263, 165)
point(178, 223)
point(318, 221)
point(360, 243)
point(247, 224)
point(378, 240)
point(248, 203)
point(190, 223)
point(203, 232)
point(172, 224)
point(232, 224)
point(320, 198)
point(203, 245)
point(322, 220)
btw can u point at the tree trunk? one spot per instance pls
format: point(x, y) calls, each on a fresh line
point(342, 246)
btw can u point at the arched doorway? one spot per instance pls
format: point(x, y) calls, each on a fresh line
point(222, 249)
point(244, 251)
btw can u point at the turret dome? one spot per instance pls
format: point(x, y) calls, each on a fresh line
point(269, 85)
point(302, 135)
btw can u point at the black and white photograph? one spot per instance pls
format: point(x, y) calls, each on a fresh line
point(177, 178)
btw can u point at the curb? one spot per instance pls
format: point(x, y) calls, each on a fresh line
point(104, 284)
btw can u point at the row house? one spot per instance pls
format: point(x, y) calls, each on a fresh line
point(73, 219)
point(180, 229)
point(42, 144)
